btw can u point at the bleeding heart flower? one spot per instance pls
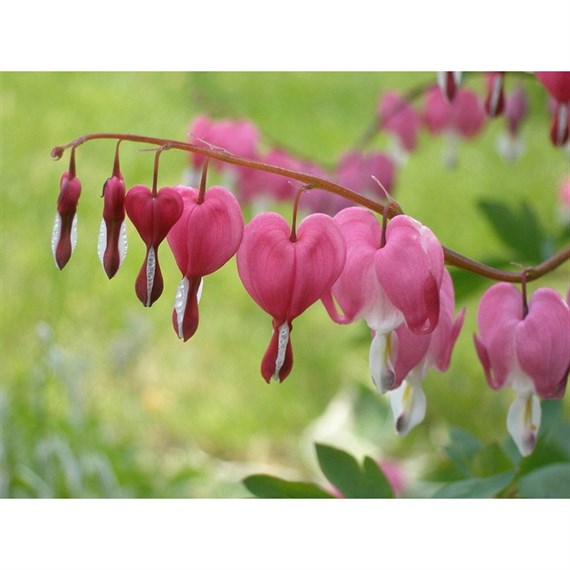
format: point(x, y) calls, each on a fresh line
point(414, 354)
point(285, 274)
point(516, 107)
point(112, 245)
point(64, 235)
point(495, 100)
point(448, 82)
point(463, 118)
point(387, 285)
point(529, 353)
point(399, 118)
point(557, 83)
point(153, 216)
point(205, 237)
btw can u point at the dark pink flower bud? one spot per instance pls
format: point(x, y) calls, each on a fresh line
point(153, 216)
point(495, 100)
point(112, 245)
point(557, 83)
point(529, 353)
point(285, 276)
point(448, 82)
point(64, 235)
point(205, 237)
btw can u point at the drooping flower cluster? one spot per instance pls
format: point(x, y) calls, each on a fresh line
point(390, 274)
point(395, 280)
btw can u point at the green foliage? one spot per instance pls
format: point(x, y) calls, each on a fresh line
point(268, 487)
point(351, 480)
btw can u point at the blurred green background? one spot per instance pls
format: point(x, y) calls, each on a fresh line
point(98, 396)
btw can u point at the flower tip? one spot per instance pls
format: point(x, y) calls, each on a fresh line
point(56, 152)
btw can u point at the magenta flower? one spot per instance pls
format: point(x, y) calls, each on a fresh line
point(400, 119)
point(463, 118)
point(414, 354)
point(530, 353)
point(285, 274)
point(495, 99)
point(516, 108)
point(205, 237)
point(64, 235)
point(448, 82)
point(355, 171)
point(387, 284)
point(557, 83)
point(112, 245)
point(153, 216)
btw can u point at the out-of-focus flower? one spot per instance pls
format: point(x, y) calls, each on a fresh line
point(557, 83)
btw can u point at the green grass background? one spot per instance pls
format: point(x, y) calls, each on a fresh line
point(100, 398)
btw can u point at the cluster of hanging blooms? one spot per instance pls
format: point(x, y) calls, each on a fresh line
point(388, 270)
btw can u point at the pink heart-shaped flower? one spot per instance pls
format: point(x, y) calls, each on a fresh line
point(285, 276)
point(153, 216)
point(205, 237)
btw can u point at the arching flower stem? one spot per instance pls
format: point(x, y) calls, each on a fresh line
point(392, 209)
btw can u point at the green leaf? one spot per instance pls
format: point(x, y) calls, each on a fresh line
point(519, 229)
point(490, 460)
point(462, 449)
point(341, 469)
point(549, 482)
point(375, 485)
point(475, 487)
point(269, 487)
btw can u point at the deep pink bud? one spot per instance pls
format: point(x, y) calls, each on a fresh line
point(205, 237)
point(153, 216)
point(285, 277)
point(410, 268)
point(112, 245)
point(64, 234)
point(448, 82)
point(529, 353)
point(495, 100)
point(557, 83)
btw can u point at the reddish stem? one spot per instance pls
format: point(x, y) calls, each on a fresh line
point(202, 192)
point(392, 209)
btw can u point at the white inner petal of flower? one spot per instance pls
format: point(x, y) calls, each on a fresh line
point(102, 242)
point(408, 403)
point(496, 93)
point(523, 421)
point(150, 272)
point(122, 243)
point(74, 232)
point(56, 235)
point(282, 342)
point(380, 361)
point(180, 304)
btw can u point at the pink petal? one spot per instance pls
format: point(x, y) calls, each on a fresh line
point(499, 313)
point(207, 235)
point(410, 269)
point(543, 343)
point(113, 236)
point(557, 83)
point(63, 240)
